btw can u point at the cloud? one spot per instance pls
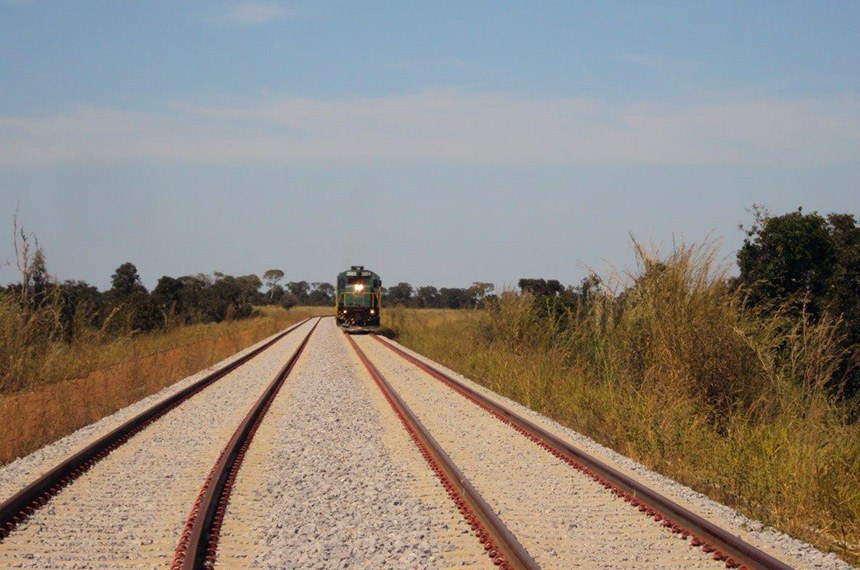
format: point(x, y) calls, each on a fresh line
point(444, 125)
point(256, 12)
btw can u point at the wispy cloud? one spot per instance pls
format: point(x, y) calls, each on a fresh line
point(445, 125)
point(255, 12)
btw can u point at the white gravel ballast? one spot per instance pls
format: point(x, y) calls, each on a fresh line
point(333, 480)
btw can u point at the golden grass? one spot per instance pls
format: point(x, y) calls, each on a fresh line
point(681, 377)
point(86, 383)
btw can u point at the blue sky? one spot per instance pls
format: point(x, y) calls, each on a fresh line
point(441, 143)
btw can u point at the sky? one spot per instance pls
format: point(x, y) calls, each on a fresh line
point(436, 143)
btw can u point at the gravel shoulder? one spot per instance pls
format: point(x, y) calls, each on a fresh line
point(792, 551)
point(127, 511)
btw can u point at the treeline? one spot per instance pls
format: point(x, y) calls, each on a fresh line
point(429, 297)
point(127, 306)
point(315, 294)
point(803, 268)
point(55, 311)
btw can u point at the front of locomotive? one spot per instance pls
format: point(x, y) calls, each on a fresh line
point(358, 298)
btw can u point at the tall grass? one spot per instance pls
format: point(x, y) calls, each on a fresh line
point(73, 385)
point(25, 337)
point(679, 374)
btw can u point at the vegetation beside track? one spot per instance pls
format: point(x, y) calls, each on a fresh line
point(681, 374)
point(86, 381)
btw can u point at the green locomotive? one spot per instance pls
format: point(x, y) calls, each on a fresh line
point(357, 302)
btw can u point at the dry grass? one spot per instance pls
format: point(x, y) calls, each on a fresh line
point(85, 383)
point(680, 376)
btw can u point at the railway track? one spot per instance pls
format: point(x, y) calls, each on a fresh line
point(372, 459)
point(500, 544)
point(198, 544)
point(87, 508)
point(333, 481)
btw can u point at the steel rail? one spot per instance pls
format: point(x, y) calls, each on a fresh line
point(498, 542)
point(20, 506)
point(723, 545)
point(198, 543)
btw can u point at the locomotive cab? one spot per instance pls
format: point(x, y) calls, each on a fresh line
point(357, 303)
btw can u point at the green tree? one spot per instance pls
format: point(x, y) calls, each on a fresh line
point(400, 294)
point(272, 277)
point(428, 297)
point(125, 281)
point(132, 310)
point(454, 297)
point(299, 289)
point(321, 294)
point(192, 297)
point(541, 287)
point(169, 296)
point(845, 279)
point(229, 297)
point(478, 292)
point(250, 285)
point(788, 256)
point(82, 306)
point(275, 294)
point(288, 300)
point(812, 263)
point(140, 312)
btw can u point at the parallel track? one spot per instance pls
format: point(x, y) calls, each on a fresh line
point(197, 544)
point(20, 506)
point(197, 547)
point(498, 542)
point(724, 546)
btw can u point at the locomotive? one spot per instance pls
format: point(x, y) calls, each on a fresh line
point(357, 302)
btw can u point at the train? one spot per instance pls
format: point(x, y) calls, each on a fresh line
point(357, 301)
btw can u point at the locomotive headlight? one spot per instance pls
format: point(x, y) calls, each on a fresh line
point(359, 286)
point(372, 312)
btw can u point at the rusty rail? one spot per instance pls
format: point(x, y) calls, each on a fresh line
point(20, 506)
point(724, 546)
point(499, 543)
point(197, 547)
